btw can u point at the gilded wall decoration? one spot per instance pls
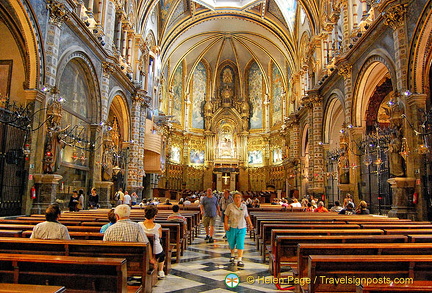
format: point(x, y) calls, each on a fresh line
point(255, 83)
point(198, 92)
point(177, 88)
point(277, 90)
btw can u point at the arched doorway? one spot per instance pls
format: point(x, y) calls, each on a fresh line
point(333, 124)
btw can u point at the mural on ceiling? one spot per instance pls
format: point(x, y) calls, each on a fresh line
point(290, 12)
point(255, 157)
point(165, 5)
point(277, 91)
point(198, 95)
point(196, 156)
point(255, 83)
point(177, 88)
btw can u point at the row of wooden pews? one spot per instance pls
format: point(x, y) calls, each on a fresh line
point(87, 263)
point(339, 253)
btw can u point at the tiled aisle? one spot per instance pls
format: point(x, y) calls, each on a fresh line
point(204, 266)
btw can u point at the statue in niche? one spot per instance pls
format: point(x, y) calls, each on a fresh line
point(395, 158)
point(54, 143)
point(227, 76)
point(343, 168)
point(208, 113)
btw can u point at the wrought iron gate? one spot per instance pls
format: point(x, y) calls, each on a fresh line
point(12, 171)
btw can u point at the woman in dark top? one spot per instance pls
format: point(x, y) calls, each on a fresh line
point(74, 201)
point(94, 199)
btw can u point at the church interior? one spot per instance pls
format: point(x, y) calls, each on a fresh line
point(166, 98)
point(291, 98)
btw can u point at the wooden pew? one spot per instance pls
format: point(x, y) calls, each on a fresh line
point(285, 247)
point(25, 288)
point(407, 231)
point(11, 233)
point(417, 286)
point(306, 249)
point(420, 238)
point(86, 274)
point(276, 232)
point(266, 228)
point(322, 269)
point(136, 254)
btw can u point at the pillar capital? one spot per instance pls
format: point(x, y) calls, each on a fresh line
point(58, 12)
point(394, 16)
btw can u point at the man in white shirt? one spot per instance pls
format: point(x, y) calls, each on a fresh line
point(127, 198)
point(51, 228)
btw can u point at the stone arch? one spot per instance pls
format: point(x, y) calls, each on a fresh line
point(21, 24)
point(118, 106)
point(78, 55)
point(420, 60)
point(27, 32)
point(333, 119)
point(373, 70)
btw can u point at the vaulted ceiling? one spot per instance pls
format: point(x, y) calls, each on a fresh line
point(235, 30)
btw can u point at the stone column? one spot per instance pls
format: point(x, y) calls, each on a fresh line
point(402, 206)
point(345, 70)
point(57, 15)
point(395, 18)
point(136, 147)
point(35, 143)
point(316, 150)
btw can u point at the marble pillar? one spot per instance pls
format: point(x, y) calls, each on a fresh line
point(104, 191)
point(403, 190)
point(46, 192)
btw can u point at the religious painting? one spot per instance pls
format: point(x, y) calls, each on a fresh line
point(74, 87)
point(196, 157)
point(277, 156)
point(5, 77)
point(226, 148)
point(255, 157)
point(255, 84)
point(277, 91)
point(175, 154)
point(198, 92)
point(177, 88)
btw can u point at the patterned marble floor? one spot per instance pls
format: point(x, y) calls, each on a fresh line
point(204, 267)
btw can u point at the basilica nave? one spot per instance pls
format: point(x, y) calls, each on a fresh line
point(294, 98)
point(277, 99)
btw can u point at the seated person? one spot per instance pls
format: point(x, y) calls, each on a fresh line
point(150, 227)
point(321, 208)
point(336, 208)
point(362, 208)
point(112, 218)
point(51, 228)
point(256, 203)
point(176, 216)
point(349, 210)
point(167, 202)
point(295, 203)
